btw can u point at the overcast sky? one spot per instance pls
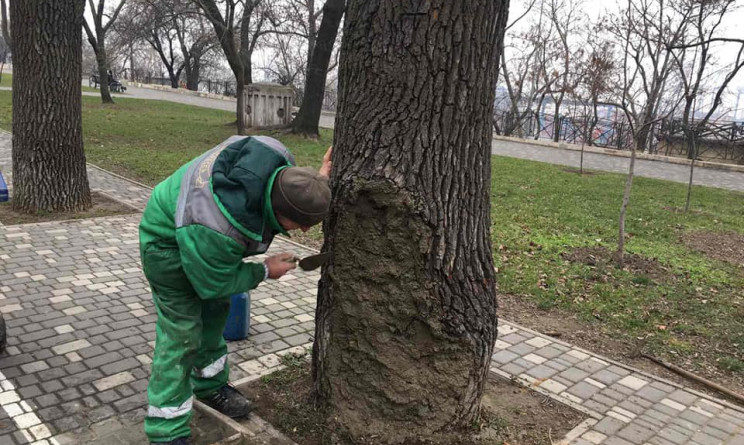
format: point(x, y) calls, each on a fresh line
point(730, 27)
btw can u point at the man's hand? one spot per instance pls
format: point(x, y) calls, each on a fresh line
point(280, 264)
point(325, 169)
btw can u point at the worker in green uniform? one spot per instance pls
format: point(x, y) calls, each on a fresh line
point(199, 225)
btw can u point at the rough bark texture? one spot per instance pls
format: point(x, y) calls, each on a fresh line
point(48, 160)
point(406, 315)
point(308, 116)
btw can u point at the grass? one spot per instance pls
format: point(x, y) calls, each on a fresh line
point(539, 213)
point(7, 81)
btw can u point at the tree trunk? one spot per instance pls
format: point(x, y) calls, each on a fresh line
point(48, 160)
point(311, 31)
point(620, 255)
point(240, 106)
point(103, 73)
point(557, 122)
point(4, 28)
point(693, 157)
point(192, 78)
point(173, 77)
point(306, 121)
point(406, 314)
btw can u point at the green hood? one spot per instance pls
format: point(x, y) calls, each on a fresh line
point(242, 177)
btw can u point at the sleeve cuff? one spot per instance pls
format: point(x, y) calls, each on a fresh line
point(266, 271)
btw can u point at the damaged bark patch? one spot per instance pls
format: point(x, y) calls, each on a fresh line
point(391, 356)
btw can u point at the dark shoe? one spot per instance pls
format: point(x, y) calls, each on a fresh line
point(230, 402)
point(177, 441)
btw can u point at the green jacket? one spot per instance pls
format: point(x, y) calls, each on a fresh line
point(215, 211)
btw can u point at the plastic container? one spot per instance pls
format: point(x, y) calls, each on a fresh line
point(239, 318)
point(3, 189)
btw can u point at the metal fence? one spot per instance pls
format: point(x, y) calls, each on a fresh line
point(719, 141)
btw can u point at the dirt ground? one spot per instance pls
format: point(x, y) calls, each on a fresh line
point(511, 413)
point(102, 206)
point(727, 246)
point(567, 327)
point(636, 264)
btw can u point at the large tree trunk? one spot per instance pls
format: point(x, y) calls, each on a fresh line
point(306, 121)
point(48, 160)
point(192, 75)
point(103, 73)
point(406, 314)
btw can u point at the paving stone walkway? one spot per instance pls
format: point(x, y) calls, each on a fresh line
point(81, 331)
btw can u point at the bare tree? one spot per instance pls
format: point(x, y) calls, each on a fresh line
point(522, 72)
point(562, 58)
point(238, 33)
point(306, 121)
point(197, 42)
point(643, 32)
point(5, 42)
point(97, 40)
point(49, 171)
point(693, 59)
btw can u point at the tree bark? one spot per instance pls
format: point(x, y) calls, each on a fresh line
point(48, 161)
point(620, 254)
point(103, 76)
point(406, 315)
point(4, 28)
point(308, 117)
point(192, 76)
point(693, 156)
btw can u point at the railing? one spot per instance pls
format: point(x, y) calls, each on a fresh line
point(719, 141)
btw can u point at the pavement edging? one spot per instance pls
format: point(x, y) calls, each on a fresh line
point(630, 368)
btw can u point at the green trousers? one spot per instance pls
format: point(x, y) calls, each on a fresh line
point(190, 356)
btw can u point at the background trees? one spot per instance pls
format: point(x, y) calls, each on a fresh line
point(103, 19)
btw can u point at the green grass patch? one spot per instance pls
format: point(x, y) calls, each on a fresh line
point(540, 213)
point(148, 140)
point(7, 81)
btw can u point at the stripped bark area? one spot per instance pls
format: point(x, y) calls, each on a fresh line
point(406, 315)
point(48, 161)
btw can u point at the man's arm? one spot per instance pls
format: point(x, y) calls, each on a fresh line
point(325, 169)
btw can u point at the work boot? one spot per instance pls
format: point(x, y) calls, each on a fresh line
point(230, 402)
point(177, 441)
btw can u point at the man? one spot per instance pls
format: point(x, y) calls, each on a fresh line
point(198, 226)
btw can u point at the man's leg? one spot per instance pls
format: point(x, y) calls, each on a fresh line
point(210, 368)
point(211, 374)
point(177, 340)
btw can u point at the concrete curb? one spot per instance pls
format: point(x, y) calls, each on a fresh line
point(183, 91)
point(186, 92)
point(621, 153)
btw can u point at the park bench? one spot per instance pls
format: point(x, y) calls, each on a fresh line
point(114, 85)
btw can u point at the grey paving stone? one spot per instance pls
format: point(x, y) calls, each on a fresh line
point(583, 390)
point(683, 397)
point(636, 434)
point(504, 356)
point(694, 417)
point(574, 374)
point(541, 372)
point(609, 426)
point(521, 349)
point(673, 435)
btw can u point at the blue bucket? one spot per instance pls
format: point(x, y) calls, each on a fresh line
point(3, 189)
point(239, 318)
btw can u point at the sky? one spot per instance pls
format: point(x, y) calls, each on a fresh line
point(730, 27)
